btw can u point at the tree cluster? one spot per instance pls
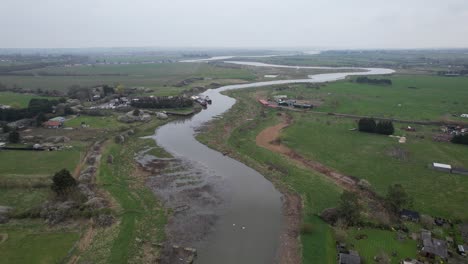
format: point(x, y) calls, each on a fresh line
point(370, 126)
point(162, 102)
point(365, 79)
point(35, 107)
point(460, 139)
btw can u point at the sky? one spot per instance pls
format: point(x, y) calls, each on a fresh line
point(365, 24)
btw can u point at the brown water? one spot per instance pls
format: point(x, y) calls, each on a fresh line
point(245, 219)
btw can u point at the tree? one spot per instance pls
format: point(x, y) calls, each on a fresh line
point(385, 128)
point(120, 89)
point(397, 198)
point(349, 209)
point(40, 118)
point(367, 125)
point(14, 137)
point(5, 128)
point(460, 139)
point(63, 182)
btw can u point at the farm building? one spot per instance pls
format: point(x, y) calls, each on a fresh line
point(349, 259)
point(461, 250)
point(433, 247)
point(409, 215)
point(442, 167)
point(58, 119)
point(52, 124)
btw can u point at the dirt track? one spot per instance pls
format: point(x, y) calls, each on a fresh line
point(269, 139)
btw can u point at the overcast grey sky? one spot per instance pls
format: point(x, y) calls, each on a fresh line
point(234, 23)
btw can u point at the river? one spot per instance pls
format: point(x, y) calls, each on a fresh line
point(249, 221)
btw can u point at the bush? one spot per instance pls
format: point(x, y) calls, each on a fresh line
point(63, 182)
point(367, 125)
point(460, 139)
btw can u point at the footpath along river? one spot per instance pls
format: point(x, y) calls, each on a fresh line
point(248, 219)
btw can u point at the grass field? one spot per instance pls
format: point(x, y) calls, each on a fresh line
point(17, 100)
point(328, 140)
point(29, 245)
point(431, 98)
point(378, 241)
point(14, 163)
point(147, 75)
point(109, 122)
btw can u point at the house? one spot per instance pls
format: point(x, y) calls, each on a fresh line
point(52, 124)
point(349, 259)
point(442, 167)
point(2, 144)
point(58, 119)
point(433, 247)
point(409, 215)
point(464, 115)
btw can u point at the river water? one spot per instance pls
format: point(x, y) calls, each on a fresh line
point(249, 219)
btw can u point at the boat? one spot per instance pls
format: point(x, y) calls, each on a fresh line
point(208, 99)
point(201, 101)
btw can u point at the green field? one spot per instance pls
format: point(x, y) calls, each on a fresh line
point(147, 75)
point(17, 100)
point(109, 122)
point(378, 241)
point(18, 164)
point(25, 245)
point(329, 141)
point(415, 97)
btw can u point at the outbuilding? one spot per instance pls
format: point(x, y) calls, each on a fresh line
point(52, 124)
point(442, 167)
point(409, 215)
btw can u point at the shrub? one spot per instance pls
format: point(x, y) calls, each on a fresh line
point(63, 182)
point(460, 139)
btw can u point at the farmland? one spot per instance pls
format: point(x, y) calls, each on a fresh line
point(17, 100)
point(155, 76)
point(330, 141)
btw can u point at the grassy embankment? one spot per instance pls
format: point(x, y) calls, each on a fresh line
point(328, 140)
point(141, 218)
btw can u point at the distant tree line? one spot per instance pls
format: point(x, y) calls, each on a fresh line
point(370, 126)
point(460, 139)
point(445, 73)
point(162, 102)
point(365, 79)
point(35, 108)
point(17, 89)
